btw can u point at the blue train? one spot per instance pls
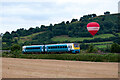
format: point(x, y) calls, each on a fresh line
point(52, 48)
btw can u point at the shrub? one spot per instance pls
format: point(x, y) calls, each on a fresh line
point(115, 48)
point(15, 47)
point(92, 49)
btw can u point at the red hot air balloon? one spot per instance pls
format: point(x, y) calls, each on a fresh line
point(93, 28)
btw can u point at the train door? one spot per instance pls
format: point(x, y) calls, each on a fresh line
point(44, 48)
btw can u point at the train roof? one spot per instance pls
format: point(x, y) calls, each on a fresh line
point(60, 44)
point(47, 45)
point(32, 46)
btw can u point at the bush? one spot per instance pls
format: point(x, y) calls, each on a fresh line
point(15, 47)
point(84, 46)
point(115, 48)
point(92, 49)
point(75, 57)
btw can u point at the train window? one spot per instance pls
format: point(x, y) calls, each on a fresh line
point(76, 45)
point(51, 47)
point(69, 46)
point(60, 46)
point(65, 46)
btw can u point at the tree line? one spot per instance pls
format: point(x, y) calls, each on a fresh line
point(73, 28)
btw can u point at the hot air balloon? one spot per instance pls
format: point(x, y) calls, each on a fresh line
point(93, 28)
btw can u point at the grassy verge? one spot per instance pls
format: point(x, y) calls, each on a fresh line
point(111, 57)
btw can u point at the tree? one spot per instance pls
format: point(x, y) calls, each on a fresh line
point(107, 12)
point(84, 46)
point(7, 35)
point(74, 20)
point(115, 48)
point(67, 22)
point(90, 15)
point(15, 47)
point(92, 49)
point(94, 15)
point(50, 27)
point(42, 26)
point(117, 40)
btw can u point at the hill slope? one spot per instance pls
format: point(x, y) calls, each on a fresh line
point(74, 31)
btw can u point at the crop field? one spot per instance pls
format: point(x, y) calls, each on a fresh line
point(44, 68)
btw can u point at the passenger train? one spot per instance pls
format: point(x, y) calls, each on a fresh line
point(52, 48)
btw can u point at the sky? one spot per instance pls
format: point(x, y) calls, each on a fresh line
point(16, 14)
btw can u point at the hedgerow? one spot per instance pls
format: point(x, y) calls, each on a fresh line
point(110, 57)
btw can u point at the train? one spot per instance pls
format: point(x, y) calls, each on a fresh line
point(52, 48)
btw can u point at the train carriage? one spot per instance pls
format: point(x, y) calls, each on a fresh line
point(33, 49)
point(57, 48)
point(53, 48)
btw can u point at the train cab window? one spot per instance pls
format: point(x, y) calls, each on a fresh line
point(76, 45)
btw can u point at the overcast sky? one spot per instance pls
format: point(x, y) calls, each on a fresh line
point(16, 14)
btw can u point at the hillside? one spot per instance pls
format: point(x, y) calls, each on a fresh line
point(72, 39)
point(74, 31)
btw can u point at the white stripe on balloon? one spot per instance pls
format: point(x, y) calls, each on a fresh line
point(93, 28)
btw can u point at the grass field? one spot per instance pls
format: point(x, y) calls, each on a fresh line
point(101, 46)
point(104, 36)
point(64, 38)
point(27, 38)
point(107, 42)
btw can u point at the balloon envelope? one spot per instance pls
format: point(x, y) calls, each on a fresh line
point(93, 28)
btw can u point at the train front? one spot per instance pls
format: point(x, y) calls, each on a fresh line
point(76, 48)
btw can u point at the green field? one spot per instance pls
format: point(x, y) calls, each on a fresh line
point(107, 42)
point(27, 38)
point(104, 36)
point(64, 38)
point(101, 46)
